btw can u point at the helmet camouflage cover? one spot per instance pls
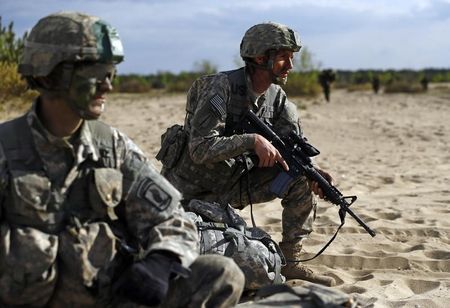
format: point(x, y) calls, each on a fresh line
point(267, 36)
point(69, 37)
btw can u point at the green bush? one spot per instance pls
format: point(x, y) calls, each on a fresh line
point(359, 87)
point(402, 87)
point(11, 83)
point(13, 89)
point(302, 84)
point(131, 84)
point(11, 48)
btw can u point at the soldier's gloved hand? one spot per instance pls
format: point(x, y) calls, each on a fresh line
point(146, 282)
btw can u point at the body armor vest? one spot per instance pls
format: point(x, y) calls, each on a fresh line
point(219, 177)
point(240, 102)
point(32, 200)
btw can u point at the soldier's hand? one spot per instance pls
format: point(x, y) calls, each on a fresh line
point(315, 186)
point(146, 282)
point(267, 154)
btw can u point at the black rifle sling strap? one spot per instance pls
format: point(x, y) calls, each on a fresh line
point(342, 217)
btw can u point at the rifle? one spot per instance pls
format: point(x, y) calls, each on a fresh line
point(297, 153)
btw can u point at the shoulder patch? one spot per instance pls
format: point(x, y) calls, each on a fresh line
point(154, 194)
point(217, 104)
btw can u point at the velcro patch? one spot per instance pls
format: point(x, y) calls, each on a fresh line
point(217, 104)
point(154, 194)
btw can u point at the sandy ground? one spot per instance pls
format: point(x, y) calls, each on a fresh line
point(392, 151)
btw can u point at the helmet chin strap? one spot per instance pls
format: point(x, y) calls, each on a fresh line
point(82, 113)
point(275, 78)
point(279, 80)
point(268, 66)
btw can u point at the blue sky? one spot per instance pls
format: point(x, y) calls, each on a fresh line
point(171, 35)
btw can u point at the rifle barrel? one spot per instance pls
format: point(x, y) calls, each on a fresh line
point(300, 164)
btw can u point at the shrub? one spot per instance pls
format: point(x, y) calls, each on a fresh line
point(302, 84)
point(11, 48)
point(131, 84)
point(12, 87)
point(402, 87)
point(359, 87)
point(12, 84)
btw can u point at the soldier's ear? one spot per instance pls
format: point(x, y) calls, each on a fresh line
point(39, 82)
point(260, 59)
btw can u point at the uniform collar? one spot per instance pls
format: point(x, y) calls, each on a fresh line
point(81, 145)
point(254, 98)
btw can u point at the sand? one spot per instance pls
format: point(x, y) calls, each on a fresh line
point(392, 151)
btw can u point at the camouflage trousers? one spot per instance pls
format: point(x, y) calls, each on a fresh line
point(215, 281)
point(298, 201)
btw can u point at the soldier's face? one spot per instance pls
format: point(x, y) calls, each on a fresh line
point(282, 63)
point(87, 92)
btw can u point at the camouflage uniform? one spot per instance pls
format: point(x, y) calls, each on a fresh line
point(210, 169)
point(59, 230)
point(207, 158)
point(71, 208)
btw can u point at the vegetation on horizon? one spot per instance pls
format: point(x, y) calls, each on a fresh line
point(13, 89)
point(302, 81)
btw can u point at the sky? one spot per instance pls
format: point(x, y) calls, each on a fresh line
point(174, 35)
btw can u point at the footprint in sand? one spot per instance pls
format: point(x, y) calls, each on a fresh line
point(419, 221)
point(272, 221)
point(422, 286)
point(362, 262)
point(365, 277)
point(389, 215)
point(385, 282)
point(438, 254)
point(414, 248)
point(354, 289)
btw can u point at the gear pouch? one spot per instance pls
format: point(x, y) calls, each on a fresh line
point(30, 196)
point(27, 266)
point(105, 191)
point(172, 145)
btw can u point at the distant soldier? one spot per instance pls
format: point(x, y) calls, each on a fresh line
point(375, 84)
point(424, 83)
point(326, 77)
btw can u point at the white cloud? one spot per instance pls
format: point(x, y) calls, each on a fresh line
point(173, 34)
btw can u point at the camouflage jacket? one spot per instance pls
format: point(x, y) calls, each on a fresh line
point(67, 205)
point(215, 103)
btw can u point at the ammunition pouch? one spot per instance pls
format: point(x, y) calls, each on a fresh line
point(217, 177)
point(172, 145)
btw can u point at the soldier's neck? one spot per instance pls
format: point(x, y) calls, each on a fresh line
point(58, 118)
point(261, 81)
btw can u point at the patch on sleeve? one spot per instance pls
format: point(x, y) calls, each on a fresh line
point(154, 194)
point(217, 104)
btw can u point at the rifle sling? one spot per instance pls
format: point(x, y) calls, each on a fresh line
point(342, 217)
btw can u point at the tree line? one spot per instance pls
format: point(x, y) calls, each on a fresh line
point(303, 80)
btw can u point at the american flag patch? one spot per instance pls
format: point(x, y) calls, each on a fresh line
point(217, 105)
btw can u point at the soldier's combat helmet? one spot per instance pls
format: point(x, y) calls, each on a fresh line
point(266, 39)
point(268, 36)
point(69, 37)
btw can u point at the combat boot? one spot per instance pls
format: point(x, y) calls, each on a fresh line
point(297, 270)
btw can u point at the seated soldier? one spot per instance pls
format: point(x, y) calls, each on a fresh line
point(85, 219)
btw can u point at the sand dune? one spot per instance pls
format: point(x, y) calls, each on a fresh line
point(393, 152)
